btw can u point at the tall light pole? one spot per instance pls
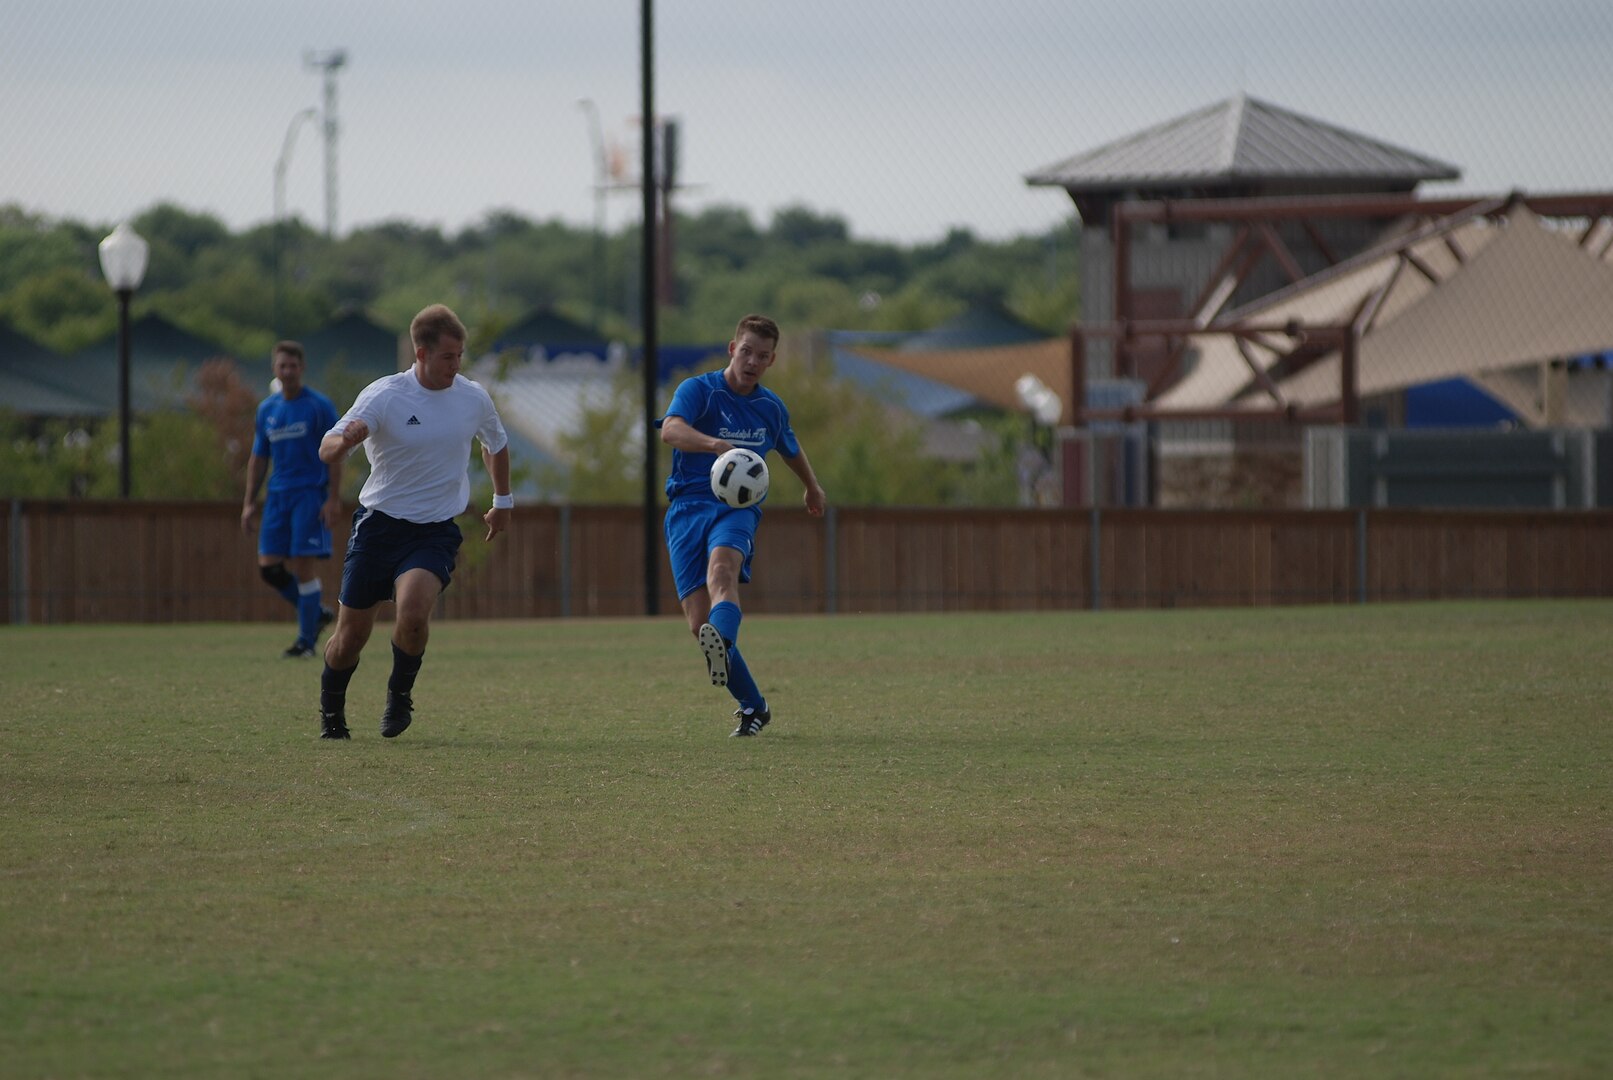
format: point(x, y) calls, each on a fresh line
point(330, 63)
point(123, 264)
point(282, 163)
point(652, 561)
point(601, 172)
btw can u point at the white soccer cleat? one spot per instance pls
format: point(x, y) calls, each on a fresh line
point(711, 643)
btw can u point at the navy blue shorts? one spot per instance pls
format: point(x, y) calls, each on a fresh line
point(695, 526)
point(292, 525)
point(381, 549)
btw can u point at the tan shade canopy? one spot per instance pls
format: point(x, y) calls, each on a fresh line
point(1469, 297)
point(990, 373)
point(1531, 295)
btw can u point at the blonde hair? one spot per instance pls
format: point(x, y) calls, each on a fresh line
point(435, 322)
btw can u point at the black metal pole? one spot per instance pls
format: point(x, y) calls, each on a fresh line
point(123, 391)
point(652, 562)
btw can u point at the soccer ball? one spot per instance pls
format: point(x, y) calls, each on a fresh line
point(739, 478)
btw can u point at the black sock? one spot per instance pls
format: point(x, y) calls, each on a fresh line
point(404, 669)
point(333, 689)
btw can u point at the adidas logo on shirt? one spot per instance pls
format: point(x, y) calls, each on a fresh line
point(414, 421)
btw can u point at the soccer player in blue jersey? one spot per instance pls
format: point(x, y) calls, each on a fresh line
point(417, 428)
point(711, 544)
point(304, 496)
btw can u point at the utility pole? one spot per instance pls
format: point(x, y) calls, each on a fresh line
point(652, 553)
point(280, 166)
point(666, 133)
point(601, 176)
point(330, 63)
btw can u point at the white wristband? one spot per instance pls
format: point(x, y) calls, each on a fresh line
point(503, 502)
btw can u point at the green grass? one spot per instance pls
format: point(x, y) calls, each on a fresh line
point(1325, 842)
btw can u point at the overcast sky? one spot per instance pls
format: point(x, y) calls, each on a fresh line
point(906, 117)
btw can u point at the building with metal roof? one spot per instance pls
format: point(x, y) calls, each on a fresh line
point(350, 352)
point(163, 360)
point(26, 386)
point(551, 332)
point(1238, 148)
point(1235, 148)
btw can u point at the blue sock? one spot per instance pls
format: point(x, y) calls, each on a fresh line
point(308, 606)
point(740, 683)
point(726, 617)
point(289, 591)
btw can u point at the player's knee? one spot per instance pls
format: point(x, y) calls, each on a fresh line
point(275, 575)
point(413, 619)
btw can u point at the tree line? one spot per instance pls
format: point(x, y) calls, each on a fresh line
point(803, 267)
point(245, 289)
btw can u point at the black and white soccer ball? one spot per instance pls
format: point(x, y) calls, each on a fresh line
point(739, 477)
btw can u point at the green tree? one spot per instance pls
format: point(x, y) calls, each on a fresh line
point(805, 268)
point(62, 307)
point(50, 459)
point(31, 246)
point(862, 452)
point(175, 455)
point(177, 237)
point(602, 460)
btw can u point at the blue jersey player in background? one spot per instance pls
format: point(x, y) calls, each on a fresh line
point(710, 544)
point(304, 496)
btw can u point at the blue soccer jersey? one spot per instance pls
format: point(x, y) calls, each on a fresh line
point(288, 433)
point(757, 421)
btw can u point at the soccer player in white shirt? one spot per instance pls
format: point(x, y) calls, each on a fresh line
point(417, 426)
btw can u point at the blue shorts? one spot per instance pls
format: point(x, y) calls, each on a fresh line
point(381, 549)
point(292, 527)
point(695, 526)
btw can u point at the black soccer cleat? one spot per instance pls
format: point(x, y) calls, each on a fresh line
point(326, 617)
point(333, 725)
point(300, 650)
point(716, 653)
point(399, 712)
point(751, 722)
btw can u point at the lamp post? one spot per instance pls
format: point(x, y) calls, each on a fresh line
point(282, 163)
point(601, 171)
point(1045, 408)
point(123, 264)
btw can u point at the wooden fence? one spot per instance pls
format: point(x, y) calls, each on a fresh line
point(83, 561)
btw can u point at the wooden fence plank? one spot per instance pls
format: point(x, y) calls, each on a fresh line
point(89, 561)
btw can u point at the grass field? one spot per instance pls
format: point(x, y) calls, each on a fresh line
point(1363, 841)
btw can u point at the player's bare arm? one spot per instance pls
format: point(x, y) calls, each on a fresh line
point(497, 519)
point(256, 468)
point(815, 499)
point(678, 434)
point(335, 447)
point(331, 512)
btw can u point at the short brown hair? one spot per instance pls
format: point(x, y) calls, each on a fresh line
point(290, 348)
point(760, 325)
point(433, 323)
